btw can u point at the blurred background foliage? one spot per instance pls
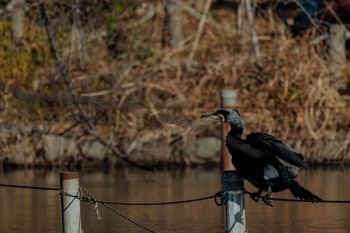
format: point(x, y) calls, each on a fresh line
point(153, 91)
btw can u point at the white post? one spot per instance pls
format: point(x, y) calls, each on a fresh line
point(71, 221)
point(234, 202)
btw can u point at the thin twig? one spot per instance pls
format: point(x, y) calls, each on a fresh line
point(199, 30)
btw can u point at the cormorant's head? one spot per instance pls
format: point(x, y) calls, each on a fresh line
point(229, 116)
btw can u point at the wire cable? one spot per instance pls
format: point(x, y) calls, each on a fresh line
point(29, 187)
point(307, 201)
point(90, 199)
point(217, 196)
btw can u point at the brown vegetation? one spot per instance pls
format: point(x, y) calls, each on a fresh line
point(154, 95)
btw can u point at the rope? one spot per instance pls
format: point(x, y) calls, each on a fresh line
point(29, 187)
point(115, 211)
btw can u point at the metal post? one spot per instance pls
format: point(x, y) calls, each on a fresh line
point(228, 100)
point(71, 221)
point(234, 202)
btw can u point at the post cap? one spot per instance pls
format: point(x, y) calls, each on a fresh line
point(69, 175)
point(228, 97)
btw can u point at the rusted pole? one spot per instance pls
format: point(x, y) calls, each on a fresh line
point(232, 181)
point(228, 100)
point(71, 221)
point(234, 202)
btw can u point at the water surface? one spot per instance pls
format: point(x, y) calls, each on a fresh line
point(23, 210)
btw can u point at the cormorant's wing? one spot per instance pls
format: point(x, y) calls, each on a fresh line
point(244, 147)
point(272, 146)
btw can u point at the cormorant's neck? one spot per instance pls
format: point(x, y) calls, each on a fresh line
point(235, 131)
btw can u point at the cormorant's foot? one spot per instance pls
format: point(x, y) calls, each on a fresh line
point(255, 196)
point(267, 201)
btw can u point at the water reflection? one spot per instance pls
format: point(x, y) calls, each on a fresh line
point(39, 211)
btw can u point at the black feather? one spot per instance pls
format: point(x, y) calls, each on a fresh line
point(274, 147)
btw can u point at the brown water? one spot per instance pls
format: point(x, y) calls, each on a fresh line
point(30, 211)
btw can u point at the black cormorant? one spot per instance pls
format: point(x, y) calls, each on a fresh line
point(262, 159)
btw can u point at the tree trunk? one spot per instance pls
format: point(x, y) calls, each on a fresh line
point(17, 9)
point(254, 37)
point(172, 28)
point(337, 41)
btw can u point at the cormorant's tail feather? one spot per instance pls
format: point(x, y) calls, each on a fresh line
point(302, 193)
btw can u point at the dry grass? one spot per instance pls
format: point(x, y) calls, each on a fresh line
point(158, 101)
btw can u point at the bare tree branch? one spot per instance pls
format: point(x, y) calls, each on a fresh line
point(200, 29)
point(83, 116)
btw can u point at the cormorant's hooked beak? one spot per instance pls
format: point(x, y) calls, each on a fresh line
point(214, 116)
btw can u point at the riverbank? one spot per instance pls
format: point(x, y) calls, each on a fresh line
point(35, 150)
